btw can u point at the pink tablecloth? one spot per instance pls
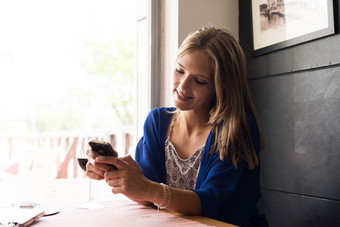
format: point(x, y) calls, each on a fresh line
point(115, 213)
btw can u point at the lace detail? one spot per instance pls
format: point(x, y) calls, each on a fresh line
point(181, 173)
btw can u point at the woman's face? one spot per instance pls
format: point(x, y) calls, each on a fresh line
point(193, 83)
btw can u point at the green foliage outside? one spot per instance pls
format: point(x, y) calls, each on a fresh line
point(102, 96)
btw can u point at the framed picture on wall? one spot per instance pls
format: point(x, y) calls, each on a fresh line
point(278, 24)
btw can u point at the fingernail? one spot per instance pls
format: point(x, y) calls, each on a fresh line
point(100, 158)
point(91, 161)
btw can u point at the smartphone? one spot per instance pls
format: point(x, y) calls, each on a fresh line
point(102, 148)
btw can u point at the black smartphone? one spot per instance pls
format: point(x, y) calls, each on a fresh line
point(102, 148)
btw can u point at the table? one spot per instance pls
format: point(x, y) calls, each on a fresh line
point(121, 213)
point(118, 210)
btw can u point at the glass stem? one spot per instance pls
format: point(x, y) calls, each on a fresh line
point(90, 192)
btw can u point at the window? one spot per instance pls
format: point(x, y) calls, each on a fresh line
point(67, 68)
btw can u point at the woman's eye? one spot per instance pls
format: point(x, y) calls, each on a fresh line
point(179, 71)
point(200, 82)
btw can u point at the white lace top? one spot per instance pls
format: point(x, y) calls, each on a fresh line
point(181, 173)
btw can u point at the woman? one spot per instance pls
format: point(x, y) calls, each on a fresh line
point(202, 156)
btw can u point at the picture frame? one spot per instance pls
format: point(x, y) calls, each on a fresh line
point(278, 24)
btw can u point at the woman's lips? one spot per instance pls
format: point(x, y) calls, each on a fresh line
point(181, 96)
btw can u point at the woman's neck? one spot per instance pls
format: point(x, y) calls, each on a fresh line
point(192, 123)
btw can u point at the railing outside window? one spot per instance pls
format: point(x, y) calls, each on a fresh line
point(53, 155)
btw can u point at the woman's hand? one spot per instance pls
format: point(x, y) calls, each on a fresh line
point(127, 179)
point(95, 170)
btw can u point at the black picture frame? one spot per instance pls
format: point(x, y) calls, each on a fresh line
point(269, 36)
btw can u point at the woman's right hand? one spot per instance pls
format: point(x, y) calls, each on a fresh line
point(95, 170)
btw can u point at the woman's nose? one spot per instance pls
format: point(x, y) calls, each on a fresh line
point(185, 83)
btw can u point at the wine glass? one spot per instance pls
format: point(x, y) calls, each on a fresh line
point(82, 159)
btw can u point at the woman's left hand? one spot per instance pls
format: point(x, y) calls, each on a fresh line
point(127, 179)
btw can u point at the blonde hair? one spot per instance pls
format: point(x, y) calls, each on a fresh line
point(232, 99)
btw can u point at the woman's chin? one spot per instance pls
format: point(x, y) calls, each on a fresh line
point(181, 107)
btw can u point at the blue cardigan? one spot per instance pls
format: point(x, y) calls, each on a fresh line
point(227, 193)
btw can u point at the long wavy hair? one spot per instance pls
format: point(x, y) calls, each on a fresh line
point(232, 100)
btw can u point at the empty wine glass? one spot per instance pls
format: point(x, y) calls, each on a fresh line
point(82, 159)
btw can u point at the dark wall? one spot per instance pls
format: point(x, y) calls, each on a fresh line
point(297, 97)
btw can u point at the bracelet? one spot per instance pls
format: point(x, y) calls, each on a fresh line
point(160, 206)
point(166, 198)
point(169, 197)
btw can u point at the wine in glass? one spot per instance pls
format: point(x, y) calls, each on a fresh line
point(82, 159)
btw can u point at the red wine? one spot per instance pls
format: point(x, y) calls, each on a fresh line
point(82, 163)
